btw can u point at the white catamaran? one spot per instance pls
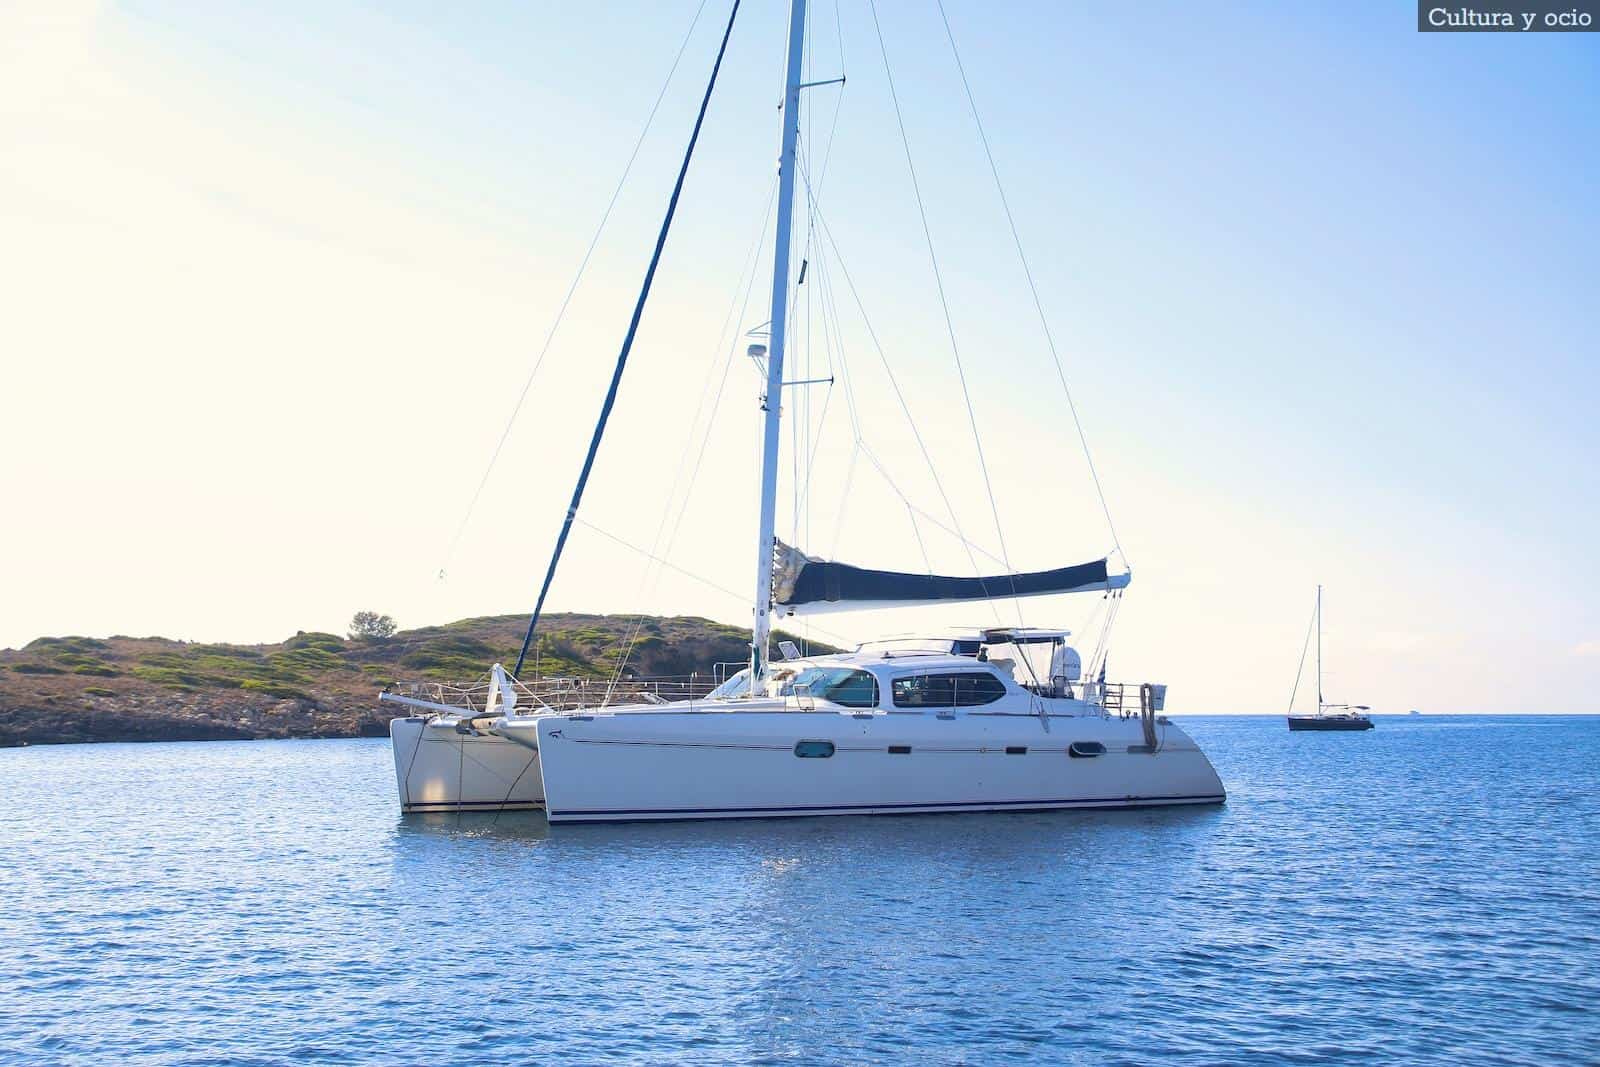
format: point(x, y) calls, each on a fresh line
point(1001, 718)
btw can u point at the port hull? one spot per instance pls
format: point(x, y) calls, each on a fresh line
point(440, 768)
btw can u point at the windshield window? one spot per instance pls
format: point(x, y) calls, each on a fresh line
point(847, 686)
point(734, 687)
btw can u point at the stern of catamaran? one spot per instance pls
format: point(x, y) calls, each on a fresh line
point(474, 747)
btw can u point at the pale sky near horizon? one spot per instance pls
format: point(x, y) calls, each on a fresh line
point(1323, 287)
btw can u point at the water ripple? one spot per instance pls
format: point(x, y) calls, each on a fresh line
point(1425, 893)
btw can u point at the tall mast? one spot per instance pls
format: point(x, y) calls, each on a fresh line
point(1319, 650)
point(772, 402)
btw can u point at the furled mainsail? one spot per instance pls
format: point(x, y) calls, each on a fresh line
point(805, 584)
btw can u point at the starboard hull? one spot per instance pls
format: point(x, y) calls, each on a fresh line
point(669, 767)
point(628, 768)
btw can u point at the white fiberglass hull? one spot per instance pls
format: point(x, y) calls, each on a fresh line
point(438, 768)
point(716, 765)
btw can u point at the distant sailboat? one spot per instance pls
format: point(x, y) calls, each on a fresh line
point(1328, 716)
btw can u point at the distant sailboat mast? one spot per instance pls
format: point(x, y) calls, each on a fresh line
point(1319, 649)
point(772, 402)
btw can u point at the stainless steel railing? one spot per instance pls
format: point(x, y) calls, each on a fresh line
point(565, 693)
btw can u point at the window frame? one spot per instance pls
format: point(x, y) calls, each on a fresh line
point(846, 673)
point(954, 676)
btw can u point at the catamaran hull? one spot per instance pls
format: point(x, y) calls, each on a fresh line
point(439, 768)
point(629, 768)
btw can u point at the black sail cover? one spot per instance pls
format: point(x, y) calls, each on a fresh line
point(803, 584)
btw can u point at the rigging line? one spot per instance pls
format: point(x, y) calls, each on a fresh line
point(727, 365)
point(838, 29)
point(849, 477)
point(811, 459)
point(743, 598)
point(949, 324)
point(1102, 647)
point(830, 300)
point(827, 400)
point(1033, 288)
point(916, 532)
point(813, 430)
point(747, 270)
point(748, 277)
point(1301, 666)
point(905, 409)
point(872, 457)
point(583, 264)
point(627, 343)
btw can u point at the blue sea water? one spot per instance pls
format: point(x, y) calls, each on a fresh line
point(1428, 892)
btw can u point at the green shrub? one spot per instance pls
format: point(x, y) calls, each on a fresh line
point(307, 658)
point(315, 639)
point(67, 644)
point(178, 678)
point(226, 651)
point(98, 670)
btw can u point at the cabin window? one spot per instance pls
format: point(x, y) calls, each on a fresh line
point(962, 689)
point(845, 686)
point(1085, 749)
point(1016, 750)
point(813, 749)
point(899, 750)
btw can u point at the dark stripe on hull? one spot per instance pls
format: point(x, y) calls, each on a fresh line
point(668, 814)
point(472, 805)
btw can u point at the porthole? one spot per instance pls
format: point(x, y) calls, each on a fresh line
point(899, 750)
point(813, 749)
point(1016, 750)
point(1085, 749)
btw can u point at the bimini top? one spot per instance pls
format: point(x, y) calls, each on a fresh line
point(963, 640)
point(804, 584)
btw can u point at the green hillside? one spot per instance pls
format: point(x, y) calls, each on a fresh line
point(65, 689)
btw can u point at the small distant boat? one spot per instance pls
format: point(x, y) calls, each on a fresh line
point(1328, 716)
point(1413, 711)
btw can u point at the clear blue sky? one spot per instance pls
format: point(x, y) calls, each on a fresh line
point(1324, 287)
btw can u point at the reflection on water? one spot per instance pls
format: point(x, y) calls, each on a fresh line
point(1423, 892)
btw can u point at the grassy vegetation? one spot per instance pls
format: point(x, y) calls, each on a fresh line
point(153, 688)
point(574, 645)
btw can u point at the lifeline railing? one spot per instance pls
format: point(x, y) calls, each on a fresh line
point(564, 693)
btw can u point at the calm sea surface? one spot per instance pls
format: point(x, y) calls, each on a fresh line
point(1426, 892)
